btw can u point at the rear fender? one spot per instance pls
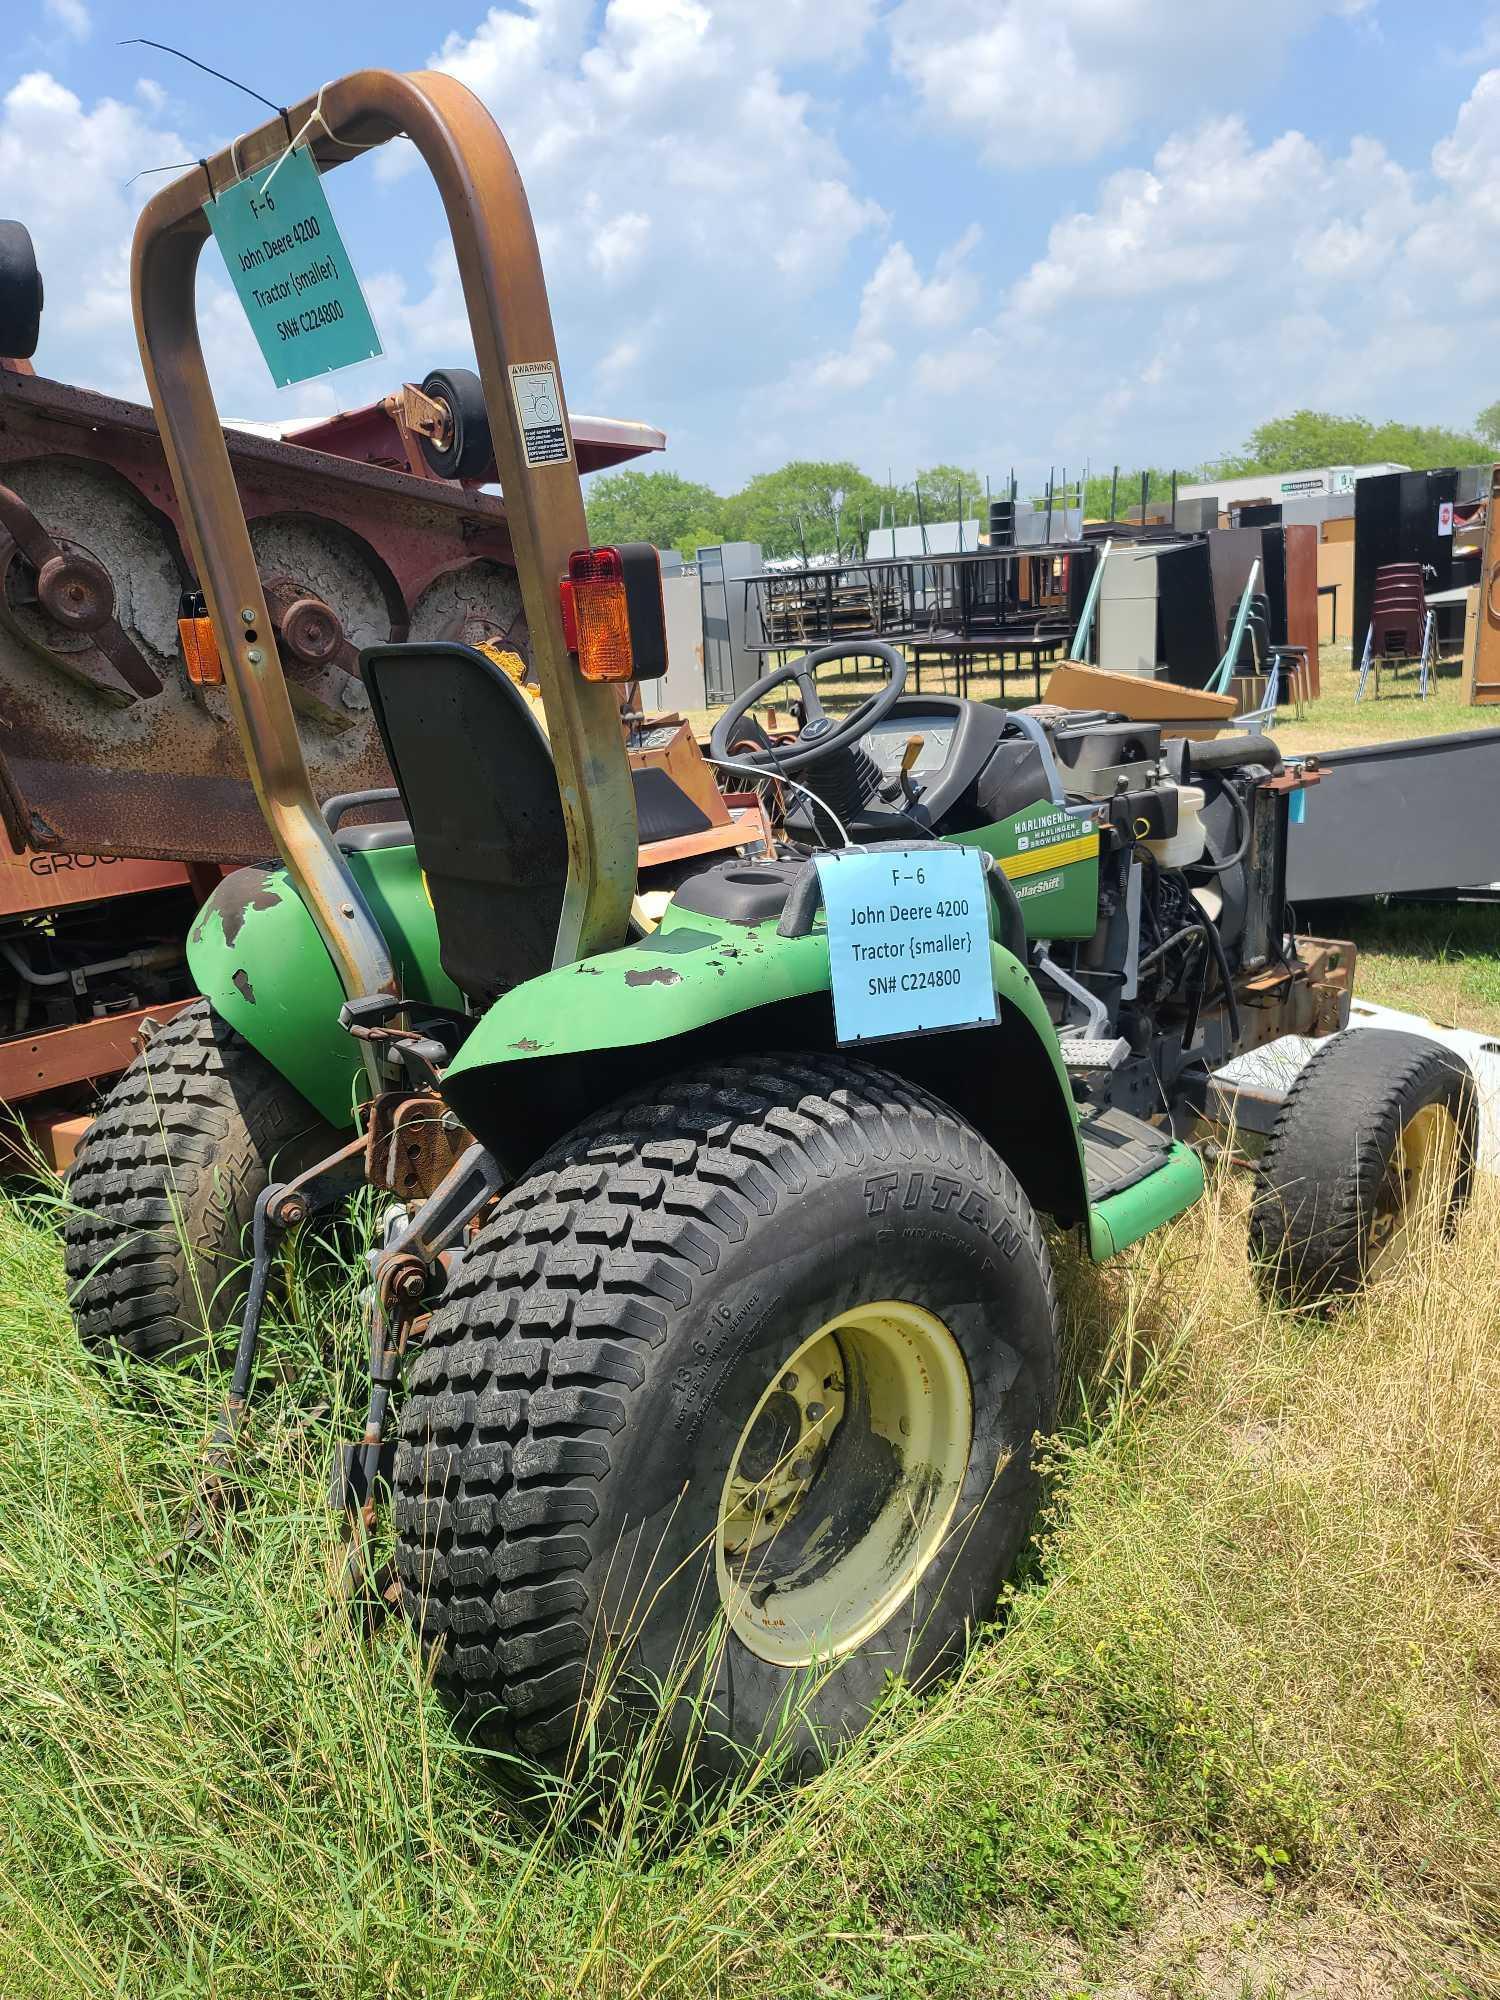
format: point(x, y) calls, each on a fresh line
point(560, 1047)
point(256, 953)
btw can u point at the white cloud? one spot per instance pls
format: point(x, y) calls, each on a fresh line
point(1212, 209)
point(1228, 281)
point(72, 16)
point(81, 218)
point(674, 175)
point(896, 300)
point(717, 264)
point(1041, 81)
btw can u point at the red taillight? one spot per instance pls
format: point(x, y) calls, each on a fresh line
point(613, 615)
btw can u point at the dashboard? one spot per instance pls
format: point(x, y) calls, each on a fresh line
point(887, 741)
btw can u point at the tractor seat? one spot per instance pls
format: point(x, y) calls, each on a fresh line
point(380, 833)
point(475, 773)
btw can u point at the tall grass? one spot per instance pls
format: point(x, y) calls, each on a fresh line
point(1251, 1666)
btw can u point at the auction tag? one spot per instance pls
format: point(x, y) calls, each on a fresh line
point(289, 266)
point(908, 940)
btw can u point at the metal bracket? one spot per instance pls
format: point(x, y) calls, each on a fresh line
point(402, 1275)
point(279, 1208)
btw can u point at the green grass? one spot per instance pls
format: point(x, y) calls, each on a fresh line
point(1239, 1713)
point(1437, 959)
point(1337, 720)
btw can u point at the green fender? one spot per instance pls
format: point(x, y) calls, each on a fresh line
point(564, 1044)
point(256, 953)
point(558, 1047)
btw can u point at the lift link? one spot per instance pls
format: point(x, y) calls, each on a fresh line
point(280, 1208)
point(404, 1277)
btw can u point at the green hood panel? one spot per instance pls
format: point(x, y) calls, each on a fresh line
point(256, 953)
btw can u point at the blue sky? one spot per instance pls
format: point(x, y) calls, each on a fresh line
point(1002, 232)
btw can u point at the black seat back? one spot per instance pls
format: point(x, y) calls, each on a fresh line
point(475, 774)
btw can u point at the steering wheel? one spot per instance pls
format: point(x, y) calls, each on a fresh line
point(820, 736)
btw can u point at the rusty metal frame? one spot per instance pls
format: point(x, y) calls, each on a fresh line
point(511, 321)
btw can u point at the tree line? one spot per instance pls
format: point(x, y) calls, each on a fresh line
point(810, 507)
point(815, 507)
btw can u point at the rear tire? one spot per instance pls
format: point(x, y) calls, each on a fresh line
point(609, 1354)
point(164, 1186)
point(1374, 1121)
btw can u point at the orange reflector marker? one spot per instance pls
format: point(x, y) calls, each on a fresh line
point(613, 615)
point(200, 651)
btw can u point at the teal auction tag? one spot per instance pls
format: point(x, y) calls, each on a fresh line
point(289, 266)
point(908, 940)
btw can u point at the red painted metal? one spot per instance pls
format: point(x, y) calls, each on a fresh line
point(31, 1064)
point(31, 883)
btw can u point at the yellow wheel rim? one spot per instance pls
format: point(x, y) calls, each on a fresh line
point(1418, 1186)
point(843, 1483)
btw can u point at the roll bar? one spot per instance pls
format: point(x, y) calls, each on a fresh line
point(511, 321)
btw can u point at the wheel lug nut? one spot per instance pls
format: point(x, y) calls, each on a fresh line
point(789, 1381)
point(802, 1468)
point(816, 1412)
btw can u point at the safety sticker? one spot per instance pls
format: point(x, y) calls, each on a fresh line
point(544, 428)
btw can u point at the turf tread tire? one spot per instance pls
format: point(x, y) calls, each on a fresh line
point(554, 1327)
point(187, 1136)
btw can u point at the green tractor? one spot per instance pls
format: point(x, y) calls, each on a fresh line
point(709, 1334)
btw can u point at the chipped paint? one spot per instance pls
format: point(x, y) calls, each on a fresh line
point(653, 975)
point(237, 895)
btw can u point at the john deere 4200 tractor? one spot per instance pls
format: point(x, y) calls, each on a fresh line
point(714, 1307)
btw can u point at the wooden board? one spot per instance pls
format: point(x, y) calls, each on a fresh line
point(670, 746)
point(1181, 711)
point(1302, 596)
point(1484, 685)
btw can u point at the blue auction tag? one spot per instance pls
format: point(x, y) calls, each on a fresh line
point(908, 940)
point(289, 266)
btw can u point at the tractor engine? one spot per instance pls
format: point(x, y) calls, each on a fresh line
point(1191, 897)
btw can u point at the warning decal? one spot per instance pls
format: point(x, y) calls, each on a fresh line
point(544, 429)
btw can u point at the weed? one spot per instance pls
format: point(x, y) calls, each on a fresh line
point(1251, 1664)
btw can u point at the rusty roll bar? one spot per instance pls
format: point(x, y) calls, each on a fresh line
point(511, 321)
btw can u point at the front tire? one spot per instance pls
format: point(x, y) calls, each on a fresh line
point(1379, 1130)
point(164, 1184)
point(734, 1388)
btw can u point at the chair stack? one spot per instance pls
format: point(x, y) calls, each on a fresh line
point(1401, 625)
point(1265, 665)
point(1399, 612)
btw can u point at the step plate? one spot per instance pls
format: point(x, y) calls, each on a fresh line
point(1084, 1055)
point(1119, 1150)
